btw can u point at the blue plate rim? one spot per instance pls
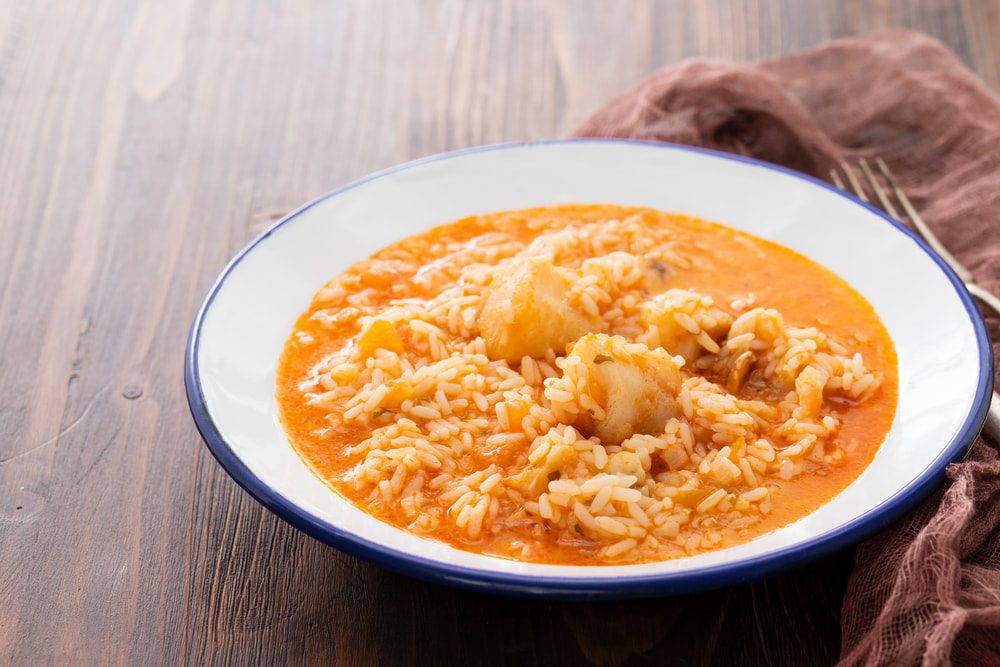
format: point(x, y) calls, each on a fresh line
point(613, 587)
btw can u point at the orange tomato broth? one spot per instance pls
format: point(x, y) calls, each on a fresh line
point(806, 294)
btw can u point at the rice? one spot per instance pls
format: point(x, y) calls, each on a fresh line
point(457, 440)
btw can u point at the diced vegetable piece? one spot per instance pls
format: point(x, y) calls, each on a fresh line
point(379, 334)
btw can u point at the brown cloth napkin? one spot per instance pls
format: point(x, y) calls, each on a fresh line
point(926, 590)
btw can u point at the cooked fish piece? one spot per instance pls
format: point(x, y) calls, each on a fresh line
point(635, 387)
point(688, 323)
point(655, 275)
point(525, 311)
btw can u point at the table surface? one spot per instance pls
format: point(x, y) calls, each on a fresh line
point(142, 146)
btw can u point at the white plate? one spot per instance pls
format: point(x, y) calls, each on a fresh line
point(945, 366)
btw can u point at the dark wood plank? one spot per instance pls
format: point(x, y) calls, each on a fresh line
point(142, 145)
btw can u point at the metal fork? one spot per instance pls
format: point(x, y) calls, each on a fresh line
point(991, 429)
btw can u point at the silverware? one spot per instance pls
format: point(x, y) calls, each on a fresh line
point(991, 429)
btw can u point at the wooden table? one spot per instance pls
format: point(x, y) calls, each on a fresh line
point(141, 145)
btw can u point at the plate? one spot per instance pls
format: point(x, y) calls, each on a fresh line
point(945, 365)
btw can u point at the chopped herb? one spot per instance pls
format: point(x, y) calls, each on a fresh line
point(601, 358)
point(555, 474)
point(592, 411)
point(381, 411)
point(424, 399)
point(576, 527)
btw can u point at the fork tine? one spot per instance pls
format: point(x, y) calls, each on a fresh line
point(921, 226)
point(877, 189)
point(855, 185)
point(835, 178)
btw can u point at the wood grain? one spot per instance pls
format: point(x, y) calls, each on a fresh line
point(142, 145)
